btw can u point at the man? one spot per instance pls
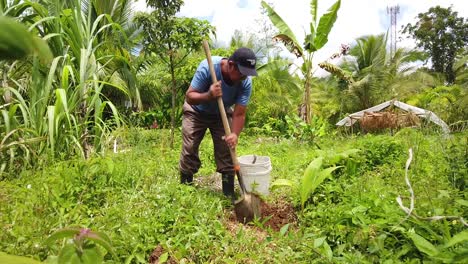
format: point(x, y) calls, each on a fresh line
point(200, 112)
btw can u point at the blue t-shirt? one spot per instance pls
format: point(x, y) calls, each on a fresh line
point(235, 94)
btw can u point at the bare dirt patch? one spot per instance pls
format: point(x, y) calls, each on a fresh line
point(278, 214)
point(275, 215)
point(156, 256)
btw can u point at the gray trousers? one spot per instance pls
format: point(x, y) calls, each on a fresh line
point(194, 126)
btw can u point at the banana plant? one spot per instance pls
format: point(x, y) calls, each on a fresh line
point(314, 41)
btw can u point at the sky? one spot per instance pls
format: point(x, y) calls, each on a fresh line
point(356, 18)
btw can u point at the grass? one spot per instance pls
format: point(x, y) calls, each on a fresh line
point(135, 198)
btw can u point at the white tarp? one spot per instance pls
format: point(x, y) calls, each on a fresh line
point(352, 118)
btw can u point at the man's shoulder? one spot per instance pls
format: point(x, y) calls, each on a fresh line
point(216, 60)
point(247, 83)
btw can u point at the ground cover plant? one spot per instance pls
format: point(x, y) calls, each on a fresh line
point(89, 167)
point(133, 197)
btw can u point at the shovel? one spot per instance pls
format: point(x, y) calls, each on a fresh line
point(247, 207)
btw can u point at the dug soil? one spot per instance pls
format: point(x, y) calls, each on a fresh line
point(275, 215)
point(278, 215)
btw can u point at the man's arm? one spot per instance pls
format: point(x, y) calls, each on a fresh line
point(238, 120)
point(195, 97)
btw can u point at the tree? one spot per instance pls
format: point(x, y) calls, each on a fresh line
point(442, 34)
point(371, 75)
point(314, 41)
point(274, 84)
point(172, 39)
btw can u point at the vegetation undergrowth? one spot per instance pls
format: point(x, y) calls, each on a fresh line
point(133, 196)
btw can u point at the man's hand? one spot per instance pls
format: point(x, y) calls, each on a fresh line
point(231, 140)
point(215, 90)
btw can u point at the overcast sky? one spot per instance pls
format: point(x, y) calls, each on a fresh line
point(356, 18)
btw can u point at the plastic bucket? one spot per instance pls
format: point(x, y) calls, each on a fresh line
point(255, 171)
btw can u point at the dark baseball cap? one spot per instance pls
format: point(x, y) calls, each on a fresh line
point(246, 60)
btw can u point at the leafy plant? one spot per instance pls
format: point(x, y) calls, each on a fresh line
point(83, 247)
point(313, 176)
point(439, 27)
point(172, 39)
point(314, 41)
point(448, 252)
point(351, 217)
point(60, 109)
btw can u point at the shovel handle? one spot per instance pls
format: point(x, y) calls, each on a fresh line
point(222, 111)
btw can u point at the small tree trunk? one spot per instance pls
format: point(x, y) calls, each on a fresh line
point(308, 78)
point(307, 101)
point(174, 94)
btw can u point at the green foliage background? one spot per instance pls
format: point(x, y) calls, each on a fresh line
point(135, 198)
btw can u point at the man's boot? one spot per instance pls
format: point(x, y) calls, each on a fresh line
point(228, 186)
point(186, 178)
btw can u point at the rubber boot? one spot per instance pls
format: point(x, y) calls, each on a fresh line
point(228, 186)
point(186, 178)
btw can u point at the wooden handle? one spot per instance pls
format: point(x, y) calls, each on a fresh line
point(222, 111)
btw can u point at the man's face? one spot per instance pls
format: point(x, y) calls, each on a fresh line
point(234, 74)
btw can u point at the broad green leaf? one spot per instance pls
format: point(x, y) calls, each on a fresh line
point(358, 209)
point(6, 118)
point(284, 229)
point(285, 35)
point(458, 238)
point(15, 40)
point(349, 152)
point(51, 76)
point(281, 183)
point(104, 242)
point(423, 245)
point(462, 202)
point(103, 235)
point(313, 12)
point(68, 254)
point(91, 255)
point(62, 233)
point(309, 179)
point(328, 250)
point(443, 193)
point(325, 174)
point(313, 177)
point(12, 259)
point(325, 25)
point(319, 241)
point(343, 155)
point(62, 103)
point(164, 257)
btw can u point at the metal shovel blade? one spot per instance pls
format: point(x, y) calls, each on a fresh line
point(248, 206)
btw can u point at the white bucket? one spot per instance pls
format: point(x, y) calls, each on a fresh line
point(255, 171)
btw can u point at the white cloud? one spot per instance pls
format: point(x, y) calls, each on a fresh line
point(356, 18)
